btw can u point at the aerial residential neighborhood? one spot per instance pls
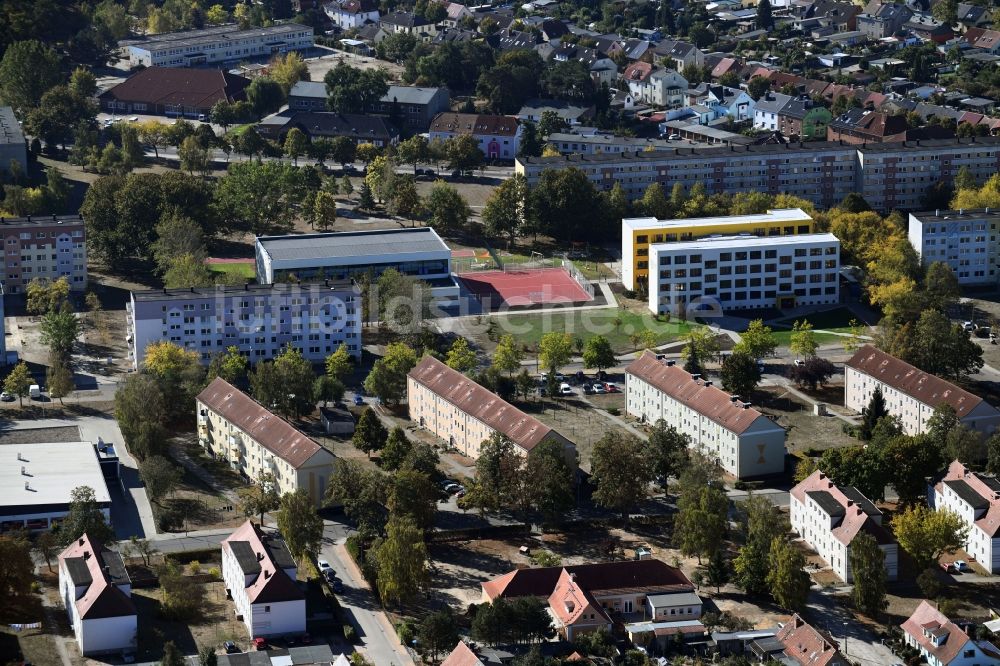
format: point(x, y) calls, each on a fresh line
point(625, 333)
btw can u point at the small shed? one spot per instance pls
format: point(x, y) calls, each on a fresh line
point(337, 420)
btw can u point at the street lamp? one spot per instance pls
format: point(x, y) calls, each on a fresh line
point(845, 640)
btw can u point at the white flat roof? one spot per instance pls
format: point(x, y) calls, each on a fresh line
point(51, 471)
point(742, 241)
point(777, 215)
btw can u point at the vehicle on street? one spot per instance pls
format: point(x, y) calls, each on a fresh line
point(337, 585)
point(35, 391)
point(259, 643)
point(960, 565)
point(231, 647)
point(544, 377)
point(6, 397)
point(799, 362)
point(323, 566)
point(969, 326)
point(358, 400)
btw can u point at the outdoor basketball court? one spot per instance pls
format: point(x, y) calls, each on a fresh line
point(525, 288)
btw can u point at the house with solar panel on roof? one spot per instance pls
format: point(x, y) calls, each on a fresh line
point(975, 497)
point(828, 517)
point(259, 573)
point(911, 394)
point(97, 592)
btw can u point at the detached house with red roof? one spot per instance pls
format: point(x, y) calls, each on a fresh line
point(739, 438)
point(976, 498)
point(259, 574)
point(498, 137)
point(910, 393)
point(828, 517)
point(941, 642)
point(97, 592)
point(803, 644)
point(235, 428)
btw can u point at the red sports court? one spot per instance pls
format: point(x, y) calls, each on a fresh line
point(524, 288)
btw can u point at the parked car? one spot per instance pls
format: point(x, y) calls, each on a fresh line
point(588, 388)
point(544, 377)
point(799, 362)
point(337, 585)
point(231, 647)
point(259, 643)
point(358, 400)
point(35, 391)
point(6, 397)
point(452, 488)
point(323, 566)
point(960, 565)
point(600, 388)
point(565, 389)
point(969, 326)
point(611, 387)
point(580, 377)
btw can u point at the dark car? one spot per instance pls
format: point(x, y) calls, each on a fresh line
point(337, 585)
point(231, 647)
point(358, 400)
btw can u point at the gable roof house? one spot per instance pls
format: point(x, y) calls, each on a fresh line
point(942, 642)
point(348, 14)
point(602, 68)
point(173, 91)
point(499, 136)
point(684, 54)
point(983, 39)
point(858, 126)
point(766, 110)
point(570, 113)
point(828, 517)
point(259, 573)
point(910, 393)
point(656, 86)
point(805, 645)
point(408, 23)
point(462, 655)
point(974, 497)
point(358, 127)
point(97, 592)
point(880, 20)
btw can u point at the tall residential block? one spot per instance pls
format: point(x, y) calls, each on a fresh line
point(966, 240)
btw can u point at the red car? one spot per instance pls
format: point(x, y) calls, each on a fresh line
point(259, 643)
point(612, 388)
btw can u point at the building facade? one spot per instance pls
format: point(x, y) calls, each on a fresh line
point(259, 574)
point(966, 240)
point(941, 642)
point(350, 14)
point(911, 394)
point(499, 137)
point(639, 233)
point(12, 145)
point(235, 428)
point(889, 176)
point(174, 92)
point(975, 497)
point(411, 108)
point(737, 437)
point(259, 320)
point(97, 592)
point(828, 517)
point(46, 247)
point(223, 43)
point(744, 272)
point(464, 414)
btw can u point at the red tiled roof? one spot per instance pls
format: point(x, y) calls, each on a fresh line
point(630, 574)
point(571, 603)
point(928, 617)
point(990, 522)
point(462, 655)
point(711, 402)
point(524, 430)
point(272, 583)
point(272, 432)
point(197, 88)
point(808, 646)
point(925, 387)
point(103, 598)
point(638, 71)
point(475, 124)
point(725, 65)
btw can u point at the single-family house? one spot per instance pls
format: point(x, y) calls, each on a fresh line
point(803, 118)
point(408, 23)
point(800, 643)
point(941, 642)
point(498, 137)
point(570, 113)
point(973, 16)
point(350, 14)
point(765, 113)
point(880, 20)
point(984, 39)
point(655, 85)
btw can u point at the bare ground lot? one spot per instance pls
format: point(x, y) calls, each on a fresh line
point(805, 430)
point(40, 435)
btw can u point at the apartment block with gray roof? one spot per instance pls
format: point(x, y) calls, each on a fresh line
point(223, 43)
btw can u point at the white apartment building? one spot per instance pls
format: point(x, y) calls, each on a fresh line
point(744, 272)
point(976, 498)
point(828, 517)
point(45, 247)
point(941, 642)
point(966, 240)
point(740, 439)
point(260, 320)
point(910, 393)
point(223, 43)
point(465, 414)
point(259, 574)
point(96, 589)
point(235, 428)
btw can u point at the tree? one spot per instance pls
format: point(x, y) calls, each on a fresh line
point(946, 11)
point(739, 373)
point(498, 476)
point(299, 524)
point(761, 526)
point(654, 202)
point(413, 495)
point(365, 199)
point(285, 384)
point(598, 353)
point(369, 434)
point(193, 156)
point(872, 414)
point(59, 331)
point(667, 450)
point(230, 365)
point(447, 210)
point(503, 214)
point(178, 374)
point(511, 81)
point(353, 90)
point(18, 382)
point(287, 70)
point(367, 152)
point(327, 389)
point(618, 469)
point(265, 95)
point(206, 656)
point(993, 454)
point(460, 356)
point(255, 197)
point(927, 534)
point(813, 372)
point(160, 477)
point(401, 562)
point(85, 516)
point(177, 236)
point(567, 206)
point(60, 111)
point(702, 521)
point(519, 620)
point(404, 200)
point(555, 350)
point(507, 356)
point(47, 295)
point(943, 348)
point(786, 576)
point(549, 479)
point(140, 411)
point(764, 19)
point(438, 633)
point(941, 286)
point(414, 150)
point(387, 379)
point(964, 180)
point(27, 70)
point(868, 569)
point(260, 496)
point(324, 211)
point(47, 546)
point(397, 448)
point(718, 571)
point(171, 655)
point(340, 363)
point(16, 568)
point(187, 271)
point(380, 176)
point(803, 340)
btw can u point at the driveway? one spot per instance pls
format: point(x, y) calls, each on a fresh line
point(857, 642)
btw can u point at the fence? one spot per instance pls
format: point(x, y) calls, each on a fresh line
point(575, 273)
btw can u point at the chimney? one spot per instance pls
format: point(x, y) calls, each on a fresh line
point(734, 398)
point(850, 502)
point(19, 457)
point(23, 473)
point(696, 376)
point(107, 571)
point(671, 363)
point(86, 555)
point(708, 383)
point(267, 574)
point(746, 405)
point(260, 556)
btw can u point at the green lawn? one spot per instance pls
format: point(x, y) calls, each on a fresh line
point(528, 328)
point(784, 338)
point(593, 270)
point(832, 320)
point(239, 129)
point(243, 270)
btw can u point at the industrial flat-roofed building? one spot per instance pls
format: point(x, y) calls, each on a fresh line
point(912, 394)
point(638, 233)
point(417, 252)
point(12, 145)
point(966, 240)
point(744, 272)
point(975, 497)
point(829, 517)
point(465, 414)
point(259, 319)
point(234, 427)
point(740, 439)
point(36, 482)
point(223, 43)
point(43, 246)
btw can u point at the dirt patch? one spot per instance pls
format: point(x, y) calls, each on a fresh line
point(40, 435)
point(805, 430)
point(575, 420)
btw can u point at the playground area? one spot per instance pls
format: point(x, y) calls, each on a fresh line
point(518, 287)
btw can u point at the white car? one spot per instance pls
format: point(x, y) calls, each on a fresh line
point(134, 119)
point(323, 565)
point(565, 389)
point(960, 565)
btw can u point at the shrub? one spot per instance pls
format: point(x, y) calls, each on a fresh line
point(36, 587)
point(349, 634)
point(215, 573)
point(614, 411)
point(405, 632)
point(194, 567)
